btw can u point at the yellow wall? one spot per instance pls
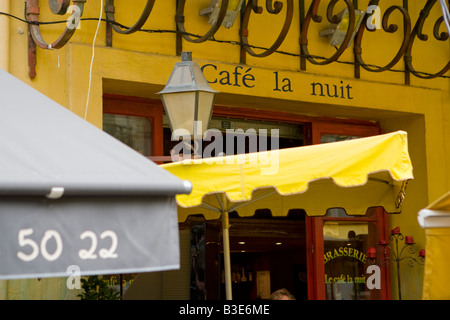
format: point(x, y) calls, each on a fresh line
point(140, 64)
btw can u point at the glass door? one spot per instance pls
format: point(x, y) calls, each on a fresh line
point(340, 255)
point(346, 244)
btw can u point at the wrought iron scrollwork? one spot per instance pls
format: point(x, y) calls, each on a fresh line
point(110, 10)
point(440, 36)
point(313, 16)
point(417, 32)
point(390, 28)
point(396, 254)
point(272, 8)
point(58, 7)
point(250, 7)
point(179, 18)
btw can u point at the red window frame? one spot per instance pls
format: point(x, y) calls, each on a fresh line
point(360, 128)
point(140, 107)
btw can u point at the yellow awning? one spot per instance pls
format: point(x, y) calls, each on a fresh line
point(354, 175)
point(436, 220)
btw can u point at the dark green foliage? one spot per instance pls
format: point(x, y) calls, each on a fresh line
point(96, 288)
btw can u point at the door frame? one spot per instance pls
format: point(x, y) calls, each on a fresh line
point(315, 251)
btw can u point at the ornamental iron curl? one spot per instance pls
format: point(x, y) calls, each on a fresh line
point(417, 32)
point(440, 36)
point(272, 8)
point(390, 28)
point(312, 15)
point(58, 7)
point(179, 19)
point(110, 10)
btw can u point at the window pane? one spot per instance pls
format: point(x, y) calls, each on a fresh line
point(243, 136)
point(340, 213)
point(135, 132)
point(335, 137)
point(346, 262)
point(336, 212)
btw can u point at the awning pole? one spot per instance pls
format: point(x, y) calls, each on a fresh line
point(226, 254)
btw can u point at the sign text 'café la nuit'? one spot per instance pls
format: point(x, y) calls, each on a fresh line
point(244, 77)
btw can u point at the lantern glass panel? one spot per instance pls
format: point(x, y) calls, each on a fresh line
point(205, 103)
point(180, 108)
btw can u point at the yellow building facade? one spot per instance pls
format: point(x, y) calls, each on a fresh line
point(329, 87)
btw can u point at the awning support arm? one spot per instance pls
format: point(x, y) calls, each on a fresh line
point(401, 194)
point(210, 207)
point(379, 180)
point(239, 205)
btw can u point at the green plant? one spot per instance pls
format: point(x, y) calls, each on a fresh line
point(95, 288)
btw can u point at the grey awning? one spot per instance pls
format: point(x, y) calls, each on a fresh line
point(66, 185)
point(44, 145)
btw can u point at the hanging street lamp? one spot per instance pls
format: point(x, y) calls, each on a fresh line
point(188, 99)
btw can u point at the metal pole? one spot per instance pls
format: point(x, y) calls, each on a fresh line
point(226, 255)
point(397, 258)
